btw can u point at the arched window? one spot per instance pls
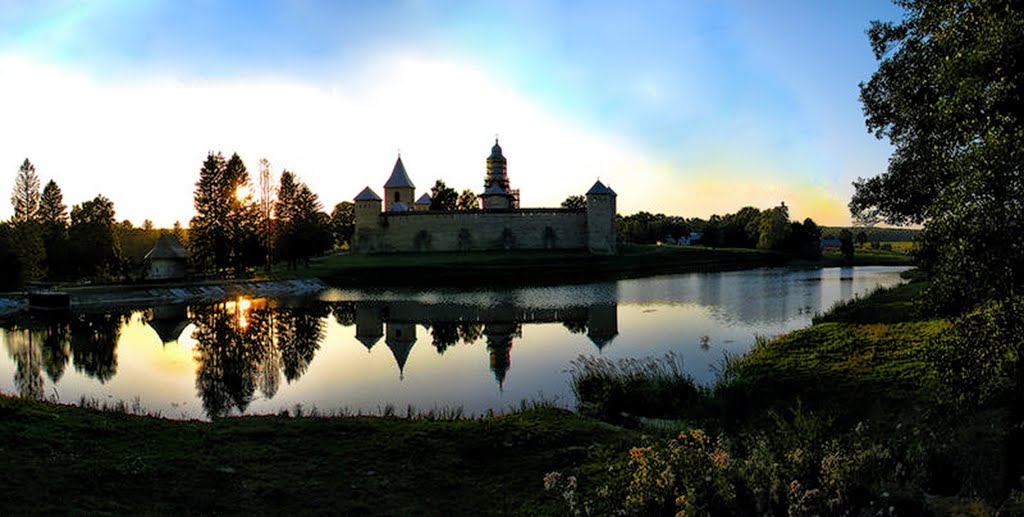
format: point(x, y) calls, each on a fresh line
point(397, 197)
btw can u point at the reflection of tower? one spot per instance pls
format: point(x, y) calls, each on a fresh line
point(400, 339)
point(169, 321)
point(369, 324)
point(846, 283)
point(602, 324)
point(499, 345)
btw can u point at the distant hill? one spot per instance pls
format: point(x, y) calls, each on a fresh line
point(875, 234)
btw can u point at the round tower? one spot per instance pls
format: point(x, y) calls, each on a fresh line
point(367, 215)
point(601, 236)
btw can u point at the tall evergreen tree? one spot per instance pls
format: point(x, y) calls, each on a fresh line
point(242, 222)
point(25, 196)
point(208, 234)
point(53, 215)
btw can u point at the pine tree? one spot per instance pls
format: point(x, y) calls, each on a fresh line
point(53, 215)
point(51, 206)
point(25, 197)
point(208, 239)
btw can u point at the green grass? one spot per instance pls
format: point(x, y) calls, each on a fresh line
point(63, 459)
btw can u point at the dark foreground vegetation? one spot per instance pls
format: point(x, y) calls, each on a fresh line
point(875, 409)
point(62, 459)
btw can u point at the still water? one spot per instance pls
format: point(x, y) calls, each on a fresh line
point(359, 350)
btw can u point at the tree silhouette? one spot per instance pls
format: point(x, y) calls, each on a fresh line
point(91, 237)
point(467, 201)
point(442, 197)
point(947, 95)
point(343, 222)
point(576, 202)
point(25, 196)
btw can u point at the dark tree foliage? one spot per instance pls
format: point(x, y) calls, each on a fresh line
point(343, 222)
point(443, 197)
point(25, 195)
point(224, 233)
point(208, 234)
point(10, 265)
point(846, 245)
point(52, 209)
point(576, 202)
point(645, 228)
point(93, 343)
point(948, 96)
point(468, 200)
point(444, 334)
point(53, 216)
point(303, 230)
point(92, 241)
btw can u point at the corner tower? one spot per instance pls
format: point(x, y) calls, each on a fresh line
point(601, 236)
point(399, 188)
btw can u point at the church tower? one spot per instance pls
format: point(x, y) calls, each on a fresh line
point(497, 169)
point(399, 190)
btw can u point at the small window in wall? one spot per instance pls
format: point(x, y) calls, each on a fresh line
point(397, 197)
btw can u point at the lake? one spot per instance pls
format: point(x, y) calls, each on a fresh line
point(364, 350)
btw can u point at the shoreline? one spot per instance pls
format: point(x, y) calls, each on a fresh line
point(484, 269)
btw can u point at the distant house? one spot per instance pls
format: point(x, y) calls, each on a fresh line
point(168, 260)
point(690, 240)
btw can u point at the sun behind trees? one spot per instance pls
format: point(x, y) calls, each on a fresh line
point(233, 232)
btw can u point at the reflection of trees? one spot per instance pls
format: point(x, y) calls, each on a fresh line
point(55, 351)
point(344, 313)
point(242, 350)
point(444, 335)
point(93, 340)
point(230, 348)
point(22, 346)
point(470, 332)
point(575, 326)
point(299, 332)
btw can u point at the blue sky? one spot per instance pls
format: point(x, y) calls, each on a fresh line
point(689, 108)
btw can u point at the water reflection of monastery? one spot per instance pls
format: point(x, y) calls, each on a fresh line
point(499, 325)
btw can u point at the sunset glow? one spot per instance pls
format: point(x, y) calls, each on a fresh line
point(724, 107)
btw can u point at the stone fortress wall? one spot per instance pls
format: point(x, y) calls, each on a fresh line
point(499, 225)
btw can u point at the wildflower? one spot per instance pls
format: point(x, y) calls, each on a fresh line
point(719, 457)
point(698, 435)
point(551, 480)
point(794, 486)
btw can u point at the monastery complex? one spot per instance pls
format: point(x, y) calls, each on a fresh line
point(397, 223)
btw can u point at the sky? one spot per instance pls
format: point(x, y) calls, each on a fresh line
point(683, 107)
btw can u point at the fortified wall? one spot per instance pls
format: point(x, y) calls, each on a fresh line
point(397, 224)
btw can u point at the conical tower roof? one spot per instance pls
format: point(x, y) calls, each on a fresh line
point(599, 188)
point(367, 195)
point(167, 247)
point(399, 178)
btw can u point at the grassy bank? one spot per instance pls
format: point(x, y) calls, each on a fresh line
point(875, 409)
point(539, 267)
point(62, 459)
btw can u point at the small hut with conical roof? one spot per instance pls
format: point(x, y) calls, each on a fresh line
point(168, 260)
